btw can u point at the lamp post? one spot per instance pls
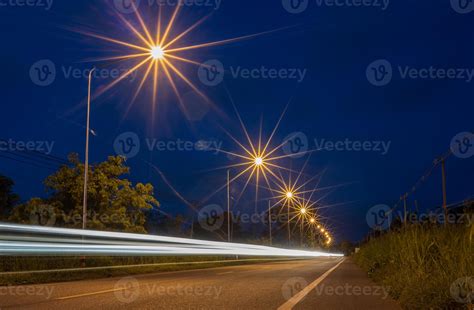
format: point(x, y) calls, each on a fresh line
point(289, 196)
point(303, 212)
point(86, 165)
point(228, 206)
point(270, 221)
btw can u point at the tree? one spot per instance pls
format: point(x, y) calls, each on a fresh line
point(114, 203)
point(8, 199)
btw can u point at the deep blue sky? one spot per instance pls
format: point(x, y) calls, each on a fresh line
point(419, 117)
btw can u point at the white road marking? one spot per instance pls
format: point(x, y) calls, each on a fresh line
point(222, 273)
point(90, 294)
point(298, 297)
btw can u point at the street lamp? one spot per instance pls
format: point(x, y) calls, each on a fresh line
point(86, 165)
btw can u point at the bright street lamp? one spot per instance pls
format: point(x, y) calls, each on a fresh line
point(157, 53)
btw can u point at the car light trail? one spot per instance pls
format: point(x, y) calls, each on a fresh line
point(18, 240)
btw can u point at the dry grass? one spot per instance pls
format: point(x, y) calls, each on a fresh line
point(419, 264)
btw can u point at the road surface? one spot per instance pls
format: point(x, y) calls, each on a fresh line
point(323, 283)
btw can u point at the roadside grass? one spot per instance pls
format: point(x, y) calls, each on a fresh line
point(106, 267)
point(418, 264)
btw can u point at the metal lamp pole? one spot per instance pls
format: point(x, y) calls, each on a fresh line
point(86, 166)
point(228, 205)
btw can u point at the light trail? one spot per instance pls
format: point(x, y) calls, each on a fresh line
point(39, 240)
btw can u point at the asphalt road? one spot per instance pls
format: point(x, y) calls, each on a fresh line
point(324, 283)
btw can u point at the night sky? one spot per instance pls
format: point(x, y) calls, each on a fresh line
point(332, 45)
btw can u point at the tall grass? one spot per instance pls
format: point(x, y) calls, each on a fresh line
point(419, 264)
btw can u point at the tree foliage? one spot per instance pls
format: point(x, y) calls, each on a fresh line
point(8, 199)
point(114, 203)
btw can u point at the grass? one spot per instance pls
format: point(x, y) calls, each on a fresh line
point(418, 264)
point(146, 265)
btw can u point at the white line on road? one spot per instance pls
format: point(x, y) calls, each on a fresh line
point(223, 273)
point(298, 297)
point(90, 294)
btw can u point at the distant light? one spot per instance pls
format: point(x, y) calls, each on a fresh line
point(289, 195)
point(322, 230)
point(312, 221)
point(303, 211)
point(259, 161)
point(157, 52)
